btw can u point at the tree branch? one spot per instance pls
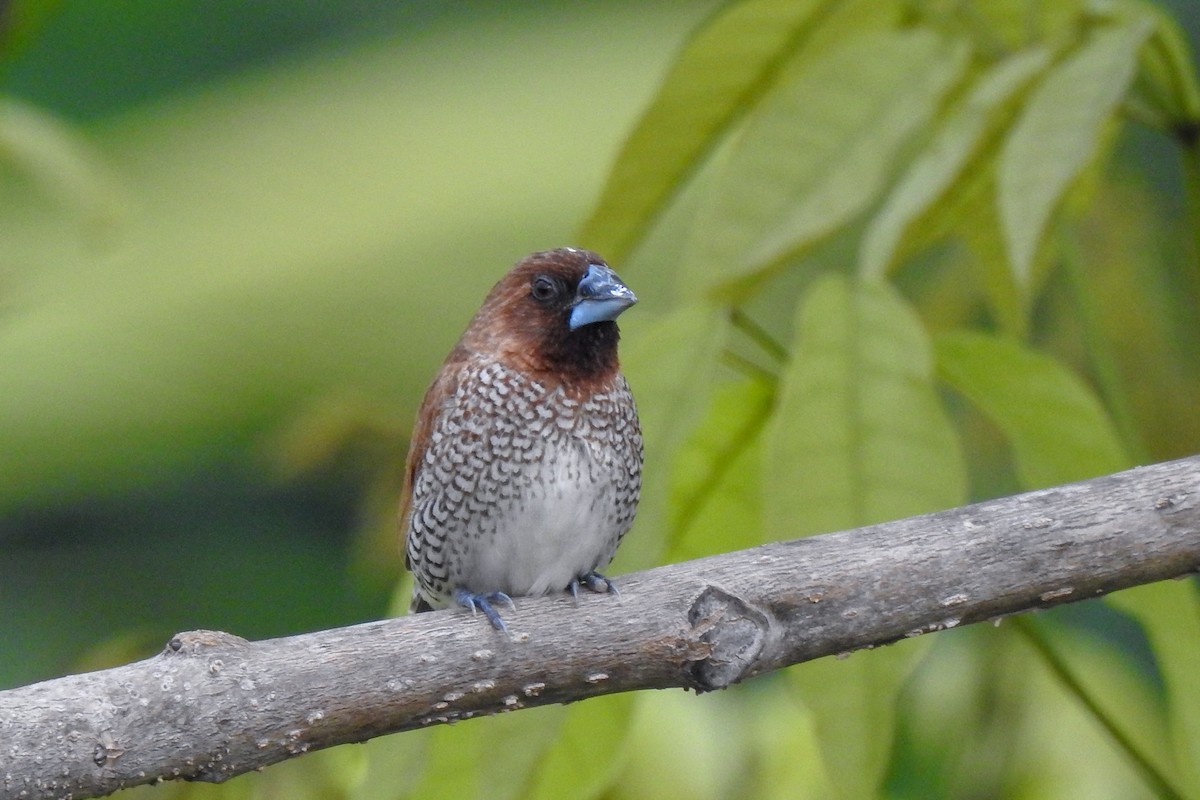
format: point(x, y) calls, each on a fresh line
point(213, 705)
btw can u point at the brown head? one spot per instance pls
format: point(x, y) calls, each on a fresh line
point(553, 317)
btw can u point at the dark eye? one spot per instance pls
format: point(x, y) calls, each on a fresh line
point(544, 289)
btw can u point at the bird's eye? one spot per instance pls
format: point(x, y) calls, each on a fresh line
point(544, 289)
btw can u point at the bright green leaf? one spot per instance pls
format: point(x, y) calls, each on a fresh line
point(668, 363)
point(683, 747)
point(727, 63)
point(984, 708)
point(665, 362)
point(859, 434)
point(588, 752)
point(716, 480)
point(790, 761)
point(948, 156)
point(60, 161)
point(553, 751)
point(451, 761)
point(1009, 25)
point(398, 762)
point(821, 146)
point(461, 760)
point(1057, 428)
point(1166, 71)
point(1058, 133)
point(980, 228)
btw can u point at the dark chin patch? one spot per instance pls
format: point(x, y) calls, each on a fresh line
point(587, 353)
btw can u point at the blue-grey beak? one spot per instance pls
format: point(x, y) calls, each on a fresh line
point(601, 296)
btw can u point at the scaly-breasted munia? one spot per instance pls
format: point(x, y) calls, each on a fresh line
point(525, 465)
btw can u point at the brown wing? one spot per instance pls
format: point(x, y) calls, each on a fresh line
point(437, 396)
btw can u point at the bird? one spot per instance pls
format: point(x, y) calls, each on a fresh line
point(524, 468)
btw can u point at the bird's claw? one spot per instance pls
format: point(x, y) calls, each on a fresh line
point(594, 582)
point(484, 602)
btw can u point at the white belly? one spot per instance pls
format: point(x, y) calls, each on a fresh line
point(561, 527)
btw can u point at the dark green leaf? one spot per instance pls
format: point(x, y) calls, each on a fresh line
point(1169, 613)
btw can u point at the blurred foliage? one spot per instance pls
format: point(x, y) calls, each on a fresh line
point(893, 257)
point(211, 356)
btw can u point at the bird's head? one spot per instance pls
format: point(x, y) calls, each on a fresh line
point(554, 316)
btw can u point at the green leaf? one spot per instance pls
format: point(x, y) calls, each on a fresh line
point(686, 748)
point(20, 22)
point(1165, 69)
point(1007, 25)
point(716, 477)
point(398, 762)
point(1175, 45)
point(859, 434)
point(1056, 427)
point(790, 763)
point(1169, 613)
point(951, 153)
point(461, 760)
point(666, 362)
point(669, 364)
point(548, 752)
point(60, 161)
point(587, 754)
point(449, 763)
point(721, 70)
point(820, 148)
point(853, 701)
point(980, 226)
point(986, 708)
point(1121, 710)
point(1058, 133)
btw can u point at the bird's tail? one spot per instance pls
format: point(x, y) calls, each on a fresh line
point(419, 603)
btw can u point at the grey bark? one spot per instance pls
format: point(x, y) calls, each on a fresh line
point(212, 705)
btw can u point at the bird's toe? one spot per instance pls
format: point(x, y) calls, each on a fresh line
point(594, 582)
point(486, 602)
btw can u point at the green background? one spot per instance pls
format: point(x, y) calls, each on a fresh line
point(237, 239)
point(210, 354)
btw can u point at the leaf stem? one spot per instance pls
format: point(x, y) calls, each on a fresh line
point(740, 320)
point(1151, 773)
point(1139, 109)
point(749, 368)
point(1189, 142)
point(1170, 43)
point(724, 462)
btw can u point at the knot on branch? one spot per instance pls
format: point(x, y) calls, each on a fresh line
point(735, 632)
point(190, 643)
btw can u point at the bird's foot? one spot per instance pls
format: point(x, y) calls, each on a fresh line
point(593, 582)
point(484, 602)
